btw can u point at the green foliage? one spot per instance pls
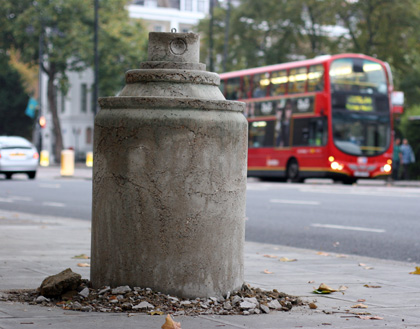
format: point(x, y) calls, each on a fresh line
point(13, 102)
point(67, 30)
point(410, 129)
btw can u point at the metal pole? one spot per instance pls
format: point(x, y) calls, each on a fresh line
point(41, 55)
point(96, 61)
point(225, 48)
point(211, 66)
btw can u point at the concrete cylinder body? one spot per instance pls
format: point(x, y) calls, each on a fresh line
point(169, 183)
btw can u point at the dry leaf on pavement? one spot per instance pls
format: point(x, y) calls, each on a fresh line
point(83, 264)
point(267, 272)
point(313, 306)
point(321, 253)
point(342, 288)
point(370, 317)
point(270, 256)
point(81, 256)
point(324, 289)
point(359, 306)
point(417, 271)
point(171, 324)
point(285, 259)
point(369, 286)
point(361, 300)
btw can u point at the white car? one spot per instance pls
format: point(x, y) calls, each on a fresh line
point(17, 155)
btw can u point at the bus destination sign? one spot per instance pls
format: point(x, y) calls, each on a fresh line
point(359, 103)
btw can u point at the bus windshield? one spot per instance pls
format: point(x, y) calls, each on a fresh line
point(360, 107)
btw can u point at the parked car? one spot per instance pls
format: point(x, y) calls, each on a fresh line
point(17, 155)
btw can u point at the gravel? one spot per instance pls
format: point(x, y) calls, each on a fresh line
point(246, 301)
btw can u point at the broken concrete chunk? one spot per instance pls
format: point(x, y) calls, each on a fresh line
point(58, 284)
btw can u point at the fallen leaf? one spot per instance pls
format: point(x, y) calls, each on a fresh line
point(312, 281)
point(324, 289)
point(267, 272)
point(313, 306)
point(156, 313)
point(342, 288)
point(361, 313)
point(171, 324)
point(83, 264)
point(369, 286)
point(370, 317)
point(285, 259)
point(341, 256)
point(359, 306)
point(270, 256)
point(361, 300)
point(417, 271)
point(362, 264)
point(321, 253)
point(323, 286)
point(81, 256)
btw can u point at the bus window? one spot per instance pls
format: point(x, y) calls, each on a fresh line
point(222, 87)
point(233, 89)
point(358, 75)
point(309, 132)
point(278, 83)
point(261, 133)
point(246, 86)
point(316, 78)
point(297, 80)
point(261, 82)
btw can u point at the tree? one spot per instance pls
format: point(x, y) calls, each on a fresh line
point(64, 32)
point(13, 102)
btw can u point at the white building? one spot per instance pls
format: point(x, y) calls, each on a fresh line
point(75, 109)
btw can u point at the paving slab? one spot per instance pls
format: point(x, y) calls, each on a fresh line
point(33, 247)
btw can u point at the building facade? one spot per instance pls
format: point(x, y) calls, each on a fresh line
point(75, 109)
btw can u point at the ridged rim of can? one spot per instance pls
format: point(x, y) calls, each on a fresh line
point(172, 75)
point(134, 102)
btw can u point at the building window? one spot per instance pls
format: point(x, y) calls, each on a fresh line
point(63, 103)
point(157, 28)
point(201, 6)
point(89, 135)
point(83, 98)
point(188, 5)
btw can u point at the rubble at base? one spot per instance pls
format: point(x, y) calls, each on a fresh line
point(126, 299)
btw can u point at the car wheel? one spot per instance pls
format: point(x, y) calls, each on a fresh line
point(31, 174)
point(8, 176)
point(293, 171)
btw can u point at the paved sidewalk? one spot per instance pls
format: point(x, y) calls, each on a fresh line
point(34, 247)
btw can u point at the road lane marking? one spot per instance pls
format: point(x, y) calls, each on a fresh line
point(21, 198)
point(312, 203)
point(53, 204)
point(49, 185)
point(351, 228)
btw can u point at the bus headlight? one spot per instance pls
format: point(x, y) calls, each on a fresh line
point(387, 168)
point(336, 166)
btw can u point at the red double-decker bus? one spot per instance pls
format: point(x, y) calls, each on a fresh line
point(327, 117)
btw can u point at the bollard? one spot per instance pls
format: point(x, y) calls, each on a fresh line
point(67, 163)
point(89, 159)
point(44, 159)
point(169, 178)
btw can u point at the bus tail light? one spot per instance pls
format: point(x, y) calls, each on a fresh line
point(36, 155)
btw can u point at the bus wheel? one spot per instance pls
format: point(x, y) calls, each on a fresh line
point(293, 171)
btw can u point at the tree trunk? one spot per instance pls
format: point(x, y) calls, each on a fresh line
point(53, 108)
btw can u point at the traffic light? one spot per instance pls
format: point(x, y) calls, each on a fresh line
point(42, 121)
